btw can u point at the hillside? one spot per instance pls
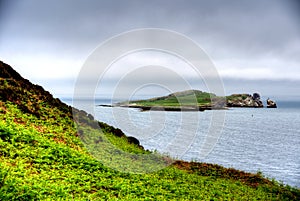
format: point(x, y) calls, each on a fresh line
point(51, 151)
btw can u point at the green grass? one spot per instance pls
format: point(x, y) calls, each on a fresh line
point(185, 98)
point(45, 154)
point(45, 160)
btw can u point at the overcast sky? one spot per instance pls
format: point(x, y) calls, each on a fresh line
point(255, 45)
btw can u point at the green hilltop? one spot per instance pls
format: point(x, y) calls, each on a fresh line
point(194, 100)
point(51, 151)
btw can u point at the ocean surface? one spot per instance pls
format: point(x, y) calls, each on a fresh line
point(263, 140)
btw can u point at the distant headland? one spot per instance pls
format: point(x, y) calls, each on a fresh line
point(196, 100)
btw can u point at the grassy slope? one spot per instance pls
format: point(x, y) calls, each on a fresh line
point(185, 98)
point(42, 157)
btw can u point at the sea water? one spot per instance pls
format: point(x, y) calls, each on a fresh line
point(263, 140)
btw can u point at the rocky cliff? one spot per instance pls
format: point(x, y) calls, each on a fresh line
point(244, 100)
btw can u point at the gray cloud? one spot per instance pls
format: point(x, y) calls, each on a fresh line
point(262, 24)
point(261, 34)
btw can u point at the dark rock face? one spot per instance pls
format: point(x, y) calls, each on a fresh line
point(256, 97)
point(271, 103)
point(256, 100)
point(245, 100)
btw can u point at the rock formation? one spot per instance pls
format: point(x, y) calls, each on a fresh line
point(271, 103)
point(244, 100)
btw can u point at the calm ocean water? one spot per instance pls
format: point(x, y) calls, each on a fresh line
point(252, 139)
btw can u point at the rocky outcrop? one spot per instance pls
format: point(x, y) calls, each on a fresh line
point(244, 100)
point(271, 103)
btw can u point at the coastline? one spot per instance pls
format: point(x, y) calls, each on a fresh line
point(167, 108)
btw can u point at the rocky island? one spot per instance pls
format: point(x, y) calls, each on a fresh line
point(196, 100)
point(271, 103)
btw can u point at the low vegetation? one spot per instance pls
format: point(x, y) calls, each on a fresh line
point(45, 154)
point(184, 98)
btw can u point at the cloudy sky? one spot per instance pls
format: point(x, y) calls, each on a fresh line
point(255, 45)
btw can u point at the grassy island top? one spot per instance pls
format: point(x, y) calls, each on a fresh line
point(196, 99)
point(43, 157)
point(183, 98)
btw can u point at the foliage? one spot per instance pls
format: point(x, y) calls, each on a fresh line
point(45, 154)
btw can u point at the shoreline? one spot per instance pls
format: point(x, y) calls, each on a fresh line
point(177, 109)
point(168, 108)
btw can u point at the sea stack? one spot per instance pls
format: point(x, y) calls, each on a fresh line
point(271, 103)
